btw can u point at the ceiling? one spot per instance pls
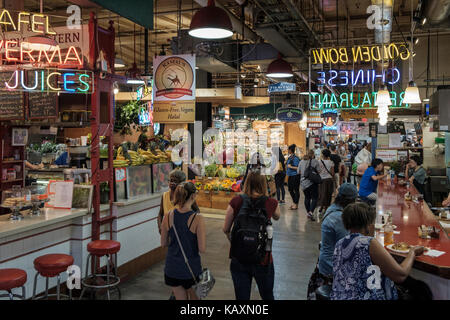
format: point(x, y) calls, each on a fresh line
point(292, 27)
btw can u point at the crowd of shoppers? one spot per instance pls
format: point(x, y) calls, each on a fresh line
point(348, 256)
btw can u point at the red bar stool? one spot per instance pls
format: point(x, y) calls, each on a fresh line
point(98, 249)
point(49, 266)
point(11, 279)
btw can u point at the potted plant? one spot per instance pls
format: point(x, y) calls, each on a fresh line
point(104, 193)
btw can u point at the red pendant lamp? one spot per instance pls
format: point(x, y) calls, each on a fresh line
point(211, 22)
point(279, 68)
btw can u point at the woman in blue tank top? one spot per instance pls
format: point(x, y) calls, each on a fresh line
point(191, 231)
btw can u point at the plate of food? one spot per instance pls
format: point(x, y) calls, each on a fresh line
point(399, 247)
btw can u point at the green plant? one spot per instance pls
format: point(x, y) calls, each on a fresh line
point(396, 166)
point(127, 117)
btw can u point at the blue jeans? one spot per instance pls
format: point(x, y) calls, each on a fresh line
point(243, 274)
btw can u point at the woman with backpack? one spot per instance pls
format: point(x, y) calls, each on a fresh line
point(190, 228)
point(280, 176)
point(309, 187)
point(293, 176)
point(326, 188)
point(247, 223)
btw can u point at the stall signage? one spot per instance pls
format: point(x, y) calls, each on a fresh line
point(345, 78)
point(358, 114)
point(281, 87)
point(49, 80)
point(329, 120)
point(355, 100)
point(387, 155)
point(174, 89)
point(121, 174)
point(314, 120)
point(359, 54)
point(71, 49)
point(289, 114)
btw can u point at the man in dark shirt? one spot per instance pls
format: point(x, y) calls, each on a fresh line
point(337, 165)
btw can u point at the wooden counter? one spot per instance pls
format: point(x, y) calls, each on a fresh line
point(408, 216)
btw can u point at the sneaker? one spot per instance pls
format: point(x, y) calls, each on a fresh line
point(311, 216)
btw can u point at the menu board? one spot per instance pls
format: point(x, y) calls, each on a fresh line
point(387, 155)
point(11, 102)
point(42, 105)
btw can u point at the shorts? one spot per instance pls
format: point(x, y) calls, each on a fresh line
point(185, 283)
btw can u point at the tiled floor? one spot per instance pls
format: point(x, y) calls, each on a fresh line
point(295, 252)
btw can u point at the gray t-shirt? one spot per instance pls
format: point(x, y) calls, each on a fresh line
point(420, 175)
point(306, 183)
point(324, 172)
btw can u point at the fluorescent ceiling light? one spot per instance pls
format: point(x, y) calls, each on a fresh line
point(118, 63)
point(135, 81)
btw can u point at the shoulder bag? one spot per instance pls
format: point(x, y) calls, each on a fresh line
point(207, 281)
point(324, 165)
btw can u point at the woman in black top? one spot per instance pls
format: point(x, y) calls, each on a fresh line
point(280, 176)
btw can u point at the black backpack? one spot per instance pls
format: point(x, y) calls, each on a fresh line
point(312, 175)
point(249, 235)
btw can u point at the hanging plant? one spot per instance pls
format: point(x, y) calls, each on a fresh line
point(127, 118)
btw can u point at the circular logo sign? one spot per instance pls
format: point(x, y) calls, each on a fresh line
point(174, 78)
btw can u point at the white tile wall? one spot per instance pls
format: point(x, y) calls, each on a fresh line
point(135, 241)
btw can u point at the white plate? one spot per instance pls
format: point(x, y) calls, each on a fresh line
point(397, 251)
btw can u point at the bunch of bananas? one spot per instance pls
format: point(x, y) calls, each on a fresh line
point(136, 158)
point(162, 156)
point(120, 160)
point(148, 157)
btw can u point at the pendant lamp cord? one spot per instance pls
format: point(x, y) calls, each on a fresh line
point(411, 61)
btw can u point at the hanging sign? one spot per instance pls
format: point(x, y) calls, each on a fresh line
point(281, 87)
point(358, 114)
point(174, 89)
point(289, 114)
point(373, 129)
point(314, 120)
point(329, 120)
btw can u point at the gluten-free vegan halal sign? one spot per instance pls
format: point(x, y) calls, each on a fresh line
point(173, 79)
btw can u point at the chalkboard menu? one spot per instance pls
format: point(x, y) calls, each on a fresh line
point(11, 102)
point(42, 105)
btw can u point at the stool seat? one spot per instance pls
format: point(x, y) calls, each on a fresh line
point(51, 265)
point(103, 247)
point(12, 278)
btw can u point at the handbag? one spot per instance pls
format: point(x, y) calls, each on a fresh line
point(312, 175)
point(207, 281)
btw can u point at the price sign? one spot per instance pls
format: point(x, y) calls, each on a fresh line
point(121, 174)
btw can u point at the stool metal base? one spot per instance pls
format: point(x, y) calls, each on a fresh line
point(112, 280)
point(11, 295)
point(46, 295)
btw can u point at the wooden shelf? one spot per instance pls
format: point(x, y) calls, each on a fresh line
point(9, 181)
point(12, 161)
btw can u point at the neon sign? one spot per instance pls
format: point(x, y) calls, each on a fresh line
point(360, 54)
point(50, 80)
point(352, 78)
point(39, 23)
point(353, 100)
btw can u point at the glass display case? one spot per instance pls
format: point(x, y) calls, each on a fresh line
point(160, 176)
point(138, 181)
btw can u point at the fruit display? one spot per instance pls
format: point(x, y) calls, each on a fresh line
point(211, 170)
point(120, 160)
point(126, 157)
